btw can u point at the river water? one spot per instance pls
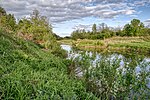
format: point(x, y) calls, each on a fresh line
point(125, 58)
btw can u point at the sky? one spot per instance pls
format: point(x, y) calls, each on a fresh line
point(69, 15)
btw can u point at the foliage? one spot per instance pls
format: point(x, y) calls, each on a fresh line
point(57, 36)
point(7, 21)
point(27, 72)
point(36, 28)
point(80, 34)
point(94, 30)
point(136, 28)
point(2, 11)
point(108, 80)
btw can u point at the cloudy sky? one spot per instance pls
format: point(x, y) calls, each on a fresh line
point(67, 15)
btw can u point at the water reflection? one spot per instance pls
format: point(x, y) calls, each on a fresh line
point(137, 63)
point(128, 58)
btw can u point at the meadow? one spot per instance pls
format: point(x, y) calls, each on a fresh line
point(140, 45)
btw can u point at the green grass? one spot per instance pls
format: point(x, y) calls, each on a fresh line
point(139, 43)
point(89, 43)
point(67, 41)
point(135, 44)
point(27, 72)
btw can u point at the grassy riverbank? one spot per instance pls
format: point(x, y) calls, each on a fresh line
point(137, 44)
point(28, 72)
point(66, 41)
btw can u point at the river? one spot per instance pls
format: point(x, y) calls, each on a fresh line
point(73, 53)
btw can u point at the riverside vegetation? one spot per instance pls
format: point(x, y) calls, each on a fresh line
point(133, 37)
point(33, 66)
point(138, 45)
point(108, 79)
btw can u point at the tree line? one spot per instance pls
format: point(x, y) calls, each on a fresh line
point(134, 28)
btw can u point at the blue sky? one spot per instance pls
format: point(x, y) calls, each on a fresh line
point(68, 15)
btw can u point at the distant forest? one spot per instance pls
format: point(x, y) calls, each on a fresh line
point(102, 31)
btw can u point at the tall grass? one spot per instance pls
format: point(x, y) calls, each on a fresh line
point(27, 72)
point(109, 80)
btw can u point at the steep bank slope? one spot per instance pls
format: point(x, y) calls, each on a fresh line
point(27, 72)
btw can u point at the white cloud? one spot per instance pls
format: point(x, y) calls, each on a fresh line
point(147, 23)
point(148, 20)
point(80, 27)
point(66, 10)
point(142, 2)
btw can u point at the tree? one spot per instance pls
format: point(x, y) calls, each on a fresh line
point(24, 25)
point(94, 28)
point(134, 29)
point(38, 29)
point(135, 22)
point(128, 30)
point(7, 21)
point(11, 22)
point(102, 26)
point(75, 34)
point(2, 11)
point(40, 26)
